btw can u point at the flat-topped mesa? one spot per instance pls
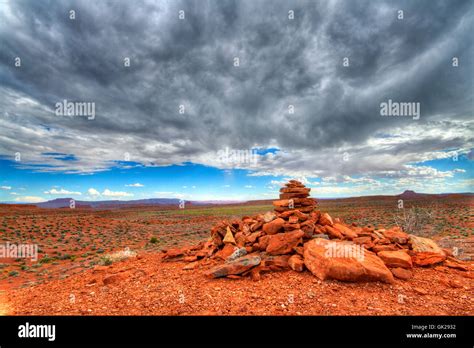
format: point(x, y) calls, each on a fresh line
point(295, 196)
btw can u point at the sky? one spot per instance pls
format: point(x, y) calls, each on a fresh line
point(226, 100)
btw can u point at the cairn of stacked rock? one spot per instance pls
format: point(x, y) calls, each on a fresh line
point(297, 236)
point(294, 195)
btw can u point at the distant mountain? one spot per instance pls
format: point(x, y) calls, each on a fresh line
point(65, 202)
point(409, 194)
point(215, 202)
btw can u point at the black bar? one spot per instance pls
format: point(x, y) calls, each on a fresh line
point(256, 330)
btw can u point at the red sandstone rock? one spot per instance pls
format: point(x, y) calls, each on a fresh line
point(240, 239)
point(301, 216)
point(346, 231)
point(314, 216)
point(269, 216)
point(176, 252)
point(296, 263)
point(299, 250)
point(396, 259)
point(303, 190)
point(235, 267)
point(381, 241)
point(368, 268)
point(402, 273)
point(293, 195)
point(227, 251)
point(293, 219)
point(425, 251)
point(263, 242)
point(325, 219)
point(378, 248)
point(255, 273)
point(283, 243)
point(308, 228)
point(421, 244)
point(396, 235)
point(453, 263)
point(191, 266)
point(254, 227)
point(253, 237)
point(362, 240)
point(283, 202)
point(427, 258)
point(274, 226)
point(290, 227)
point(276, 263)
point(332, 232)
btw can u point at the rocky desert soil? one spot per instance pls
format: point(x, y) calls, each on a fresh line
point(144, 285)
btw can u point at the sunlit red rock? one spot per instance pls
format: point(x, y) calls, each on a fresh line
point(396, 259)
point(324, 266)
point(283, 243)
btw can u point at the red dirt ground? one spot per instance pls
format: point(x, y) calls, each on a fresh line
point(146, 286)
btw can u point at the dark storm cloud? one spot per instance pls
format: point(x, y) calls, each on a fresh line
point(190, 62)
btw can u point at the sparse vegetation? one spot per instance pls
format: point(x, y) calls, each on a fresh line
point(417, 220)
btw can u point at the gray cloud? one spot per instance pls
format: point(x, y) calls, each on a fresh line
point(190, 62)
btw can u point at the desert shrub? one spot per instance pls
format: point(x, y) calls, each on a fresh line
point(153, 240)
point(417, 220)
point(46, 259)
point(13, 273)
point(108, 259)
point(66, 257)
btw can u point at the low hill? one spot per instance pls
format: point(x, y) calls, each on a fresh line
point(110, 204)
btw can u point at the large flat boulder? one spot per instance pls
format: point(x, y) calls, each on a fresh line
point(325, 265)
